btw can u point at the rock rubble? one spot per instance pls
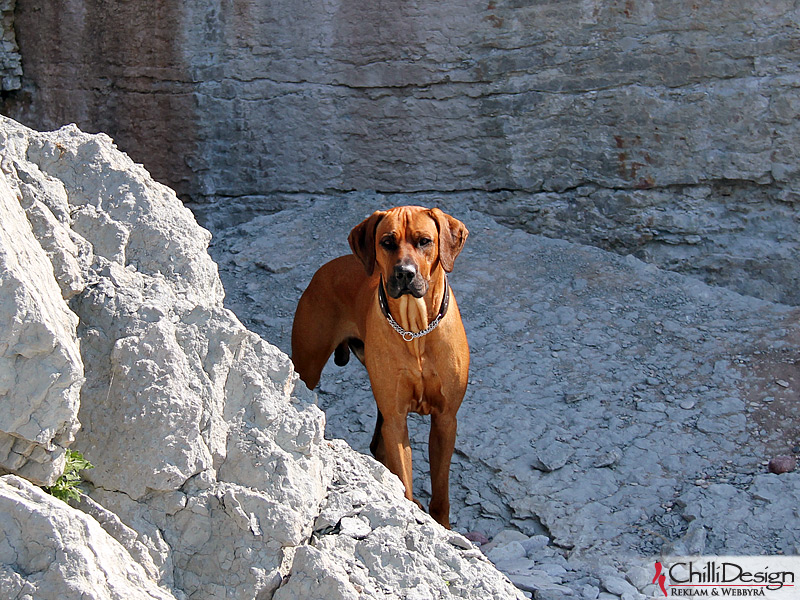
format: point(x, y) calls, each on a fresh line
point(212, 476)
point(615, 410)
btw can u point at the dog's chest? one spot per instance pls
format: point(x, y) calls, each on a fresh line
point(416, 362)
point(426, 386)
point(413, 313)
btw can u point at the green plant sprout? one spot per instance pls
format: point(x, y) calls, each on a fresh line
point(66, 487)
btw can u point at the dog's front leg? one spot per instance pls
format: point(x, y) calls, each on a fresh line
point(376, 446)
point(397, 448)
point(441, 444)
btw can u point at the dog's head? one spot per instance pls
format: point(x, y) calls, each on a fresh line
point(407, 244)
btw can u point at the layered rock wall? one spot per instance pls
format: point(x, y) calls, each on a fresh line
point(10, 59)
point(117, 68)
point(666, 129)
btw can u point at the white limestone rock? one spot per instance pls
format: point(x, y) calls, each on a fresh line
point(198, 445)
point(40, 363)
point(372, 543)
point(49, 550)
point(211, 470)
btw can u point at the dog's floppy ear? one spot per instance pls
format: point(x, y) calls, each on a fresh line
point(362, 240)
point(452, 235)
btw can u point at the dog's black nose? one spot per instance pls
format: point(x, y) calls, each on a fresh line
point(404, 274)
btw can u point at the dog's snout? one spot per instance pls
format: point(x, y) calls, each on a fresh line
point(406, 279)
point(404, 274)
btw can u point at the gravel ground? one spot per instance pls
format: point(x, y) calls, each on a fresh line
point(615, 411)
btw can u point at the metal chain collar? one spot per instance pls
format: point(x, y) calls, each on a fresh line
point(411, 335)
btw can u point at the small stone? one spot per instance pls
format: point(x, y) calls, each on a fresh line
point(618, 586)
point(535, 545)
point(539, 582)
point(687, 404)
point(557, 572)
point(695, 538)
point(459, 541)
point(639, 577)
point(782, 383)
point(608, 459)
point(589, 592)
point(509, 535)
point(477, 537)
point(506, 553)
point(552, 455)
point(782, 464)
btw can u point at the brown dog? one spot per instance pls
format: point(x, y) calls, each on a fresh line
point(390, 303)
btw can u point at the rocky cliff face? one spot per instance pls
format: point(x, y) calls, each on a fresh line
point(212, 477)
point(665, 129)
point(10, 59)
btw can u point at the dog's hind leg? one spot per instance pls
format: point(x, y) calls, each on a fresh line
point(314, 338)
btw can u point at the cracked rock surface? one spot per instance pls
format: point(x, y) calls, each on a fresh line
point(40, 362)
point(212, 477)
point(50, 550)
point(615, 411)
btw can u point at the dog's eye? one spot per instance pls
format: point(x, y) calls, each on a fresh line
point(424, 242)
point(388, 244)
